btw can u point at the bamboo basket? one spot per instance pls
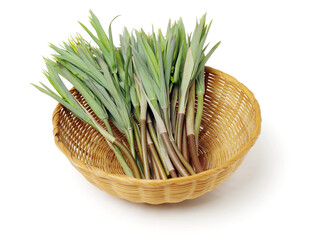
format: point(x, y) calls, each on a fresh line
point(230, 126)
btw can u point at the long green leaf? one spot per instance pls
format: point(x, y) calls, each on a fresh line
point(186, 81)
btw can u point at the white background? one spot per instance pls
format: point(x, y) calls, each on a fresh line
point(273, 47)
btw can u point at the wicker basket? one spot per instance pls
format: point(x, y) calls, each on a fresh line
point(230, 126)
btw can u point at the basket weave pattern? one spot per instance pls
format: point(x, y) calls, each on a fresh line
point(230, 126)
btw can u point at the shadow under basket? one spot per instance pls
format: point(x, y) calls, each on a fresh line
point(230, 125)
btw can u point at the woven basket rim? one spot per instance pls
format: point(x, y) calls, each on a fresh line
point(130, 180)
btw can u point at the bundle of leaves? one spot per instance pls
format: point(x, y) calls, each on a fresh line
point(146, 87)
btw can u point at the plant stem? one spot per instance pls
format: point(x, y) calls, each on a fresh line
point(155, 158)
point(183, 94)
point(167, 120)
point(182, 159)
point(190, 130)
point(165, 157)
point(143, 137)
point(180, 123)
point(173, 155)
point(153, 133)
point(185, 152)
point(121, 160)
point(127, 153)
point(130, 138)
point(173, 106)
point(194, 153)
point(117, 152)
point(131, 142)
point(197, 121)
point(137, 137)
point(108, 126)
point(155, 170)
point(156, 142)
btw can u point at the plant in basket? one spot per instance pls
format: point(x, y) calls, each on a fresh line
point(150, 88)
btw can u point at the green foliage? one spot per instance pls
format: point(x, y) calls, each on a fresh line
point(117, 81)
